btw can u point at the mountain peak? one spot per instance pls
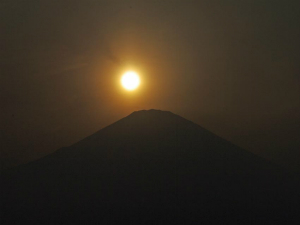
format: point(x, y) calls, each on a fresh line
point(151, 162)
point(153, 114)
point(151, 111)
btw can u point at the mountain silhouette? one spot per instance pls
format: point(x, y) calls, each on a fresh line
point(151, 167)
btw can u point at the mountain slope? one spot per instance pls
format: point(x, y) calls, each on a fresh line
point(150, 167)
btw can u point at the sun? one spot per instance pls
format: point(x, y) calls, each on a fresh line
point(130, 80)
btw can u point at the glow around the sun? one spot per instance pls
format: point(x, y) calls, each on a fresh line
point(130, 80)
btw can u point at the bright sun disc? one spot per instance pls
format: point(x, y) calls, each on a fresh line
point(130, 80)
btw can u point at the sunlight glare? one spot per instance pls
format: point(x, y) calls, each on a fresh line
point(130, 80)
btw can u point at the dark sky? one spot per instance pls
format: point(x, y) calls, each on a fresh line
point(231, 66)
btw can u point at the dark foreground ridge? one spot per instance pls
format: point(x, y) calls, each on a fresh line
point(151, 167)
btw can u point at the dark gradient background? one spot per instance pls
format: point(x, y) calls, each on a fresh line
point(233, 67)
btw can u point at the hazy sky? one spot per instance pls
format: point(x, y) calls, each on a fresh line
point(231, 66)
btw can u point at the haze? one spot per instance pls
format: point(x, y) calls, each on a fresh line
point(230, 66)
